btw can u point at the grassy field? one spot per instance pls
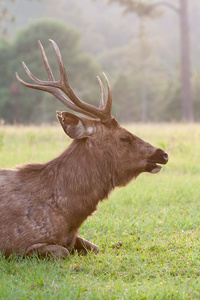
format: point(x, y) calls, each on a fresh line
point(156, 217)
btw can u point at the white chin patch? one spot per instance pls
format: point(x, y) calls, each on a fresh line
point(156, 170)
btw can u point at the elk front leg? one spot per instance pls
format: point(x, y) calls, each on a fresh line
point(82, 246)
point(45, 250)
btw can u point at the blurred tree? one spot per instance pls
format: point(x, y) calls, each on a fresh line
point(144, 55)
point(6, 15)
point(196, 92)
point(37, 106)
point(145, 78)
point(144, 9)
point(5, 104)
point(94, 22)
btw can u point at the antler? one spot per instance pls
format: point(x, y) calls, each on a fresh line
point(55, 87)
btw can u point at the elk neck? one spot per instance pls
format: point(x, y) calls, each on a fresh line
point(86, 170)
point(74, 181)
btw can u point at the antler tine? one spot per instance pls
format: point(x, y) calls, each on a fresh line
point(102, 101)
point(61, 66)
point(64, 84)
point(33, 86)
point(46, 62)
point(41, 82)
point(108, 107)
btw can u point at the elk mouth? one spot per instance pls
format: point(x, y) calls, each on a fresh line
point(152, 168)
point(153, 164)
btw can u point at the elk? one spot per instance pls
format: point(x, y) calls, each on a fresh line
point(42, 206)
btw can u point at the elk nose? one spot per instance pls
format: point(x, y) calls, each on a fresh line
point(165, 156)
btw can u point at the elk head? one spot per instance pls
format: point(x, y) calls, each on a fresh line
point(129, 155)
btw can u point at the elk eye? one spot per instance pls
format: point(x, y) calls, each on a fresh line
point(126, 139)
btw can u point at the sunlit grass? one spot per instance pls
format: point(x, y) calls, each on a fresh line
point(30, 144)
point(156, 219)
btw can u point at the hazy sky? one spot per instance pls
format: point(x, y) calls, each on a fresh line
point(104, 26)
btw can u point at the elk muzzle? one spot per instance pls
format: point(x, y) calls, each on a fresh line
point(159, 157)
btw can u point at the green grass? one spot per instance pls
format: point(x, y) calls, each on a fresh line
point(156, 217)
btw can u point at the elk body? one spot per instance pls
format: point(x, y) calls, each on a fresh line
point(42, 206)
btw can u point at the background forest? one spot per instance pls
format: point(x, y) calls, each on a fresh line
point(140, 55)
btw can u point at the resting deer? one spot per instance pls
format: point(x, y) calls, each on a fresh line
point(43, 205)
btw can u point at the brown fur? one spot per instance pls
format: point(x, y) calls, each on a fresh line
point(42, 206)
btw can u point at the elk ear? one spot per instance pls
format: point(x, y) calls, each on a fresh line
point(75, 127)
